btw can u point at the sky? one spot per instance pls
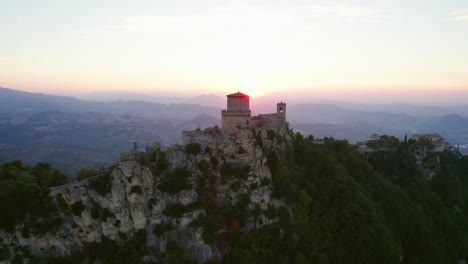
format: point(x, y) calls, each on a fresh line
point(399, 49)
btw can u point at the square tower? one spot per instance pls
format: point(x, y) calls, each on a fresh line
point(238, 102)
point(237, 112)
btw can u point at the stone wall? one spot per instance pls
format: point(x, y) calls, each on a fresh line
point(268, 121)
point(232, 122)
point(203, 137)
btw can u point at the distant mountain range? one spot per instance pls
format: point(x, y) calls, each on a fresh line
point(18, 102)
point(72, 133)
point(267, 103)
point(111, 96)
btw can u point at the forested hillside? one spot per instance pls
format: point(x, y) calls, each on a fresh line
point(372, 208)
point(404, 205)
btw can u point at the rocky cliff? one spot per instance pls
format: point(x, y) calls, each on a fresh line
point(171, 195)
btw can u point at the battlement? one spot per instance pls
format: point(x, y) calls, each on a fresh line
point(203, 137)
point(236, 113)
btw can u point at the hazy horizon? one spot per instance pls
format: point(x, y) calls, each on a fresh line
point(426, 98)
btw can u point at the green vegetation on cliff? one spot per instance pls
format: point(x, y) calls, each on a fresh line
point(349, 207)
point(341, 206)
point(24, 197)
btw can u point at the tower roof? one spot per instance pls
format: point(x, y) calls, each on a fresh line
point(237, 94)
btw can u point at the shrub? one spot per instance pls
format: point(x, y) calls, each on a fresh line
point(151, 203)
point(265, 181)
point(209, 230)
point(241, 150)
point(106, 213)
point(271, 212)
point(77, 208)
point(61, 203)
point(177, 210)
point(193, 149)
point(235, 170)
point(259, 140)
point(207, 150)
point(239, 211)
point(270, 134)
point(384, 142)
point(284, 217)
point(144, 159)
point(24, 233)
point(203, 166)
point(198, 222)
point(48, 176)
point(244, 201)
point(279, 138)
point(85, 173)
point(95, 213)
point(253, 186)
point(235, 186)
point(101, 184)
point(160, 229)
point(161, 163)
point(136, 189)
point(44, 225)
point(214, 162)
point(175, 181)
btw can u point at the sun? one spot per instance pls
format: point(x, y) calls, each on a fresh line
point(253, 88)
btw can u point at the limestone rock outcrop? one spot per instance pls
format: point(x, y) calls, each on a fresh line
point(133, 197)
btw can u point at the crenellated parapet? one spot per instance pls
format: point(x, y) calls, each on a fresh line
point(202, 137)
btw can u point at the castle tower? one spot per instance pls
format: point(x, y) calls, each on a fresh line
point(281, 110)
point(237, 112)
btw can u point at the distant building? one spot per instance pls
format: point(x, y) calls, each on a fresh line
point(437, 141)
point(238, 115)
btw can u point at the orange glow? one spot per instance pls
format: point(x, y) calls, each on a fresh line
point(254, 89)
point(326, 50)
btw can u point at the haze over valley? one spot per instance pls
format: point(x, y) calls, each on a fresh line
point(71, 133)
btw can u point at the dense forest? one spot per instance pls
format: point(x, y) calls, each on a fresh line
point(24, 196)
point(402, 205)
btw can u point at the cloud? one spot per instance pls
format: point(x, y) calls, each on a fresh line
point(459, 14)
point(241, 18)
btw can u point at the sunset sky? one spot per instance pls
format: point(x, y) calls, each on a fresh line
point(396, 49)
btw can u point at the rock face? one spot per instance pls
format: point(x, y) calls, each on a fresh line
point(134, 197)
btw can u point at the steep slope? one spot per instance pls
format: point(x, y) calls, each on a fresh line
point(184, 196)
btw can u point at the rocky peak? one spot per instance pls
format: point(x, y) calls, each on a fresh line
point(188, 195)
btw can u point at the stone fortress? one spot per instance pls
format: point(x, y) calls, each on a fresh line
point(238, 116)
